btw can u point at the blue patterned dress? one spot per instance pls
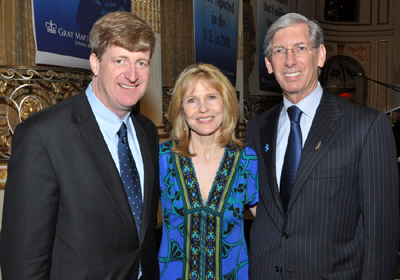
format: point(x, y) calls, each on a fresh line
point(205, 241)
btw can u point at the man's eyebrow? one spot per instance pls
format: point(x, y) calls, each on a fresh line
point(295, 44)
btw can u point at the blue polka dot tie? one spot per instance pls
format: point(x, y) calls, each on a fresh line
point(292, 156)
point(130, 176)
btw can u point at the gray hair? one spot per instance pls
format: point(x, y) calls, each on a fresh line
point(316, 34)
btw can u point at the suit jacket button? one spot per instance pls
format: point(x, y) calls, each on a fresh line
point(285, 235)
point(277, 269)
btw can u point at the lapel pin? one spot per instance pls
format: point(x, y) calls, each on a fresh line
point(266, 147)
point(318, 146)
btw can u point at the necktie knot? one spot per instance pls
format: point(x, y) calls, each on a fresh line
point(294, 113)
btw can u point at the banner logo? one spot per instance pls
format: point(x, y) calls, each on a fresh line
point(51, 27)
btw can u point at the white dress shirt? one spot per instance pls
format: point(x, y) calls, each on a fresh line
point(109, 124)
point(308, 106)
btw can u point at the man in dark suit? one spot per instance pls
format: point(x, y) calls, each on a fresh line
point(338, 217)
point(66, 210)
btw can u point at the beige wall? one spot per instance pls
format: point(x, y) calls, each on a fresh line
point(370, 43)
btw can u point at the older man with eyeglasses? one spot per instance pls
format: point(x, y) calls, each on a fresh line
point(328, 177)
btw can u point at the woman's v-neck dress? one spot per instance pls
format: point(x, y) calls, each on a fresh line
point(205, 241)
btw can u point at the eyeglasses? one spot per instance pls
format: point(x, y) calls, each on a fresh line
point(297, 51)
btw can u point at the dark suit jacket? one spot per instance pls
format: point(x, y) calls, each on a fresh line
point(66, 214)
point(343, 215)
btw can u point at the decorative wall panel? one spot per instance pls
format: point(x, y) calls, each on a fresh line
point(25, 91)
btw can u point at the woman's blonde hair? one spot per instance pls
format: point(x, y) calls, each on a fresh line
point(211, 77)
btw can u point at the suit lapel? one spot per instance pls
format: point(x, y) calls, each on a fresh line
point(93, 146)
point(323, 133)
point(148, 175)
point(268, 134)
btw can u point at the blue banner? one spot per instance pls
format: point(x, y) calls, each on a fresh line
point(216, 34)
point(62, 28)
point(268, 12)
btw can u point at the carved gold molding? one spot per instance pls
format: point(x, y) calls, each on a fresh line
point(3, 175)
point(329, 48)
point(25, 91)
point(340, 48)
point(30, 106)
point(360, 51)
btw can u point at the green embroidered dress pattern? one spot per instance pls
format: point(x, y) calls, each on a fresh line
point(198, 237)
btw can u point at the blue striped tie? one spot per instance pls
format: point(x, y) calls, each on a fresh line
point(292, 156)
point(130, 176)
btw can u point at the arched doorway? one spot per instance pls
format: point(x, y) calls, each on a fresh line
point(341, 76)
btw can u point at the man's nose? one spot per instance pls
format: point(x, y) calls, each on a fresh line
point(131, 73)
point(290, 58)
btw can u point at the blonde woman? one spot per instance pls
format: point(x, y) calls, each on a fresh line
point(207, 179)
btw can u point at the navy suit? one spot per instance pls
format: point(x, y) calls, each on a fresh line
point(343, 215)
point(66, 214)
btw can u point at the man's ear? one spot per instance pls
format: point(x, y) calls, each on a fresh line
point(94, 64)
point(269, 65)
point(321, 55)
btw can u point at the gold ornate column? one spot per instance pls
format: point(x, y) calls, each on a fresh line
point(17, 45)
point(151, 102)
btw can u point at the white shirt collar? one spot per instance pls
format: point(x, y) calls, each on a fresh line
point(309, 104)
